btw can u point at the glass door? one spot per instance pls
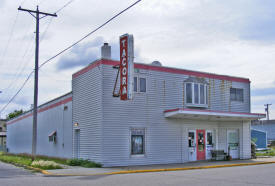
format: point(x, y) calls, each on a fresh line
point(192, 145)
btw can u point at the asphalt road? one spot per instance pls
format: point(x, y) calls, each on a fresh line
point(248, 175)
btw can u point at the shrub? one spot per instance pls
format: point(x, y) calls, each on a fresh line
point(42, 164)
point(83, 163)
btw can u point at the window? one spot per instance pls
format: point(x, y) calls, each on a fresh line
point(191, 139)
point(142, 84)
point(209, 138)
point(236, 94)
point(139, 84)
point(0, 129)
point(52, 137)
point(135, 84)
point(137, 141)
point(196, 94)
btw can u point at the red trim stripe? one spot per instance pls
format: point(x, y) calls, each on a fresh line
point(42, 110)
point(196, 110)
point(162, 69)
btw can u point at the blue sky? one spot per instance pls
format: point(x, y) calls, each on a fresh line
point(235, 37)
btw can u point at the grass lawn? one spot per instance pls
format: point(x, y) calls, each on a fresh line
point(44, 162)
point(269, 152)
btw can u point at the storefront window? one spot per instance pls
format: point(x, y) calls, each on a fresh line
point(191, 139)
point(137, 141)
point(209, 138)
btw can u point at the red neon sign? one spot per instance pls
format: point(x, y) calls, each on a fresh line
point(123, 67)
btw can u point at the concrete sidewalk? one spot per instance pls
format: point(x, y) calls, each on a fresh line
point(80, 171)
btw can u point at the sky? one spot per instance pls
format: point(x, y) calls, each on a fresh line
point(235, 37)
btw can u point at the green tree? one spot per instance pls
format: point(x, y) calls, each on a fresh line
point(14, 114)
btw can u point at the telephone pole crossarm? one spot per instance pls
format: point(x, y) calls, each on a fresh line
point(33, 11)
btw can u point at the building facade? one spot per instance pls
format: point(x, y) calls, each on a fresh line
point(175, 116)
point(3, 134)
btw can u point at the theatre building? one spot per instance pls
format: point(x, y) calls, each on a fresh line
point(172, 115)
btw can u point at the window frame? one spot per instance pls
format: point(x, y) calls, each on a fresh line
point(138, 84)
point(235, 98)
point(132, 130)
point(194, 95)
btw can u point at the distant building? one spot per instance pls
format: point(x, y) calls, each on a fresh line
point(3, 129)
point(265, 125)
point(260, 138)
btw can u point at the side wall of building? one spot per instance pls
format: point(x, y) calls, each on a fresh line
point(53, 116)
point(268, 128)
point(87, 114)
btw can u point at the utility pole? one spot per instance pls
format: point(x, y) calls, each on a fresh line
point(36, 15)
point(267, 110)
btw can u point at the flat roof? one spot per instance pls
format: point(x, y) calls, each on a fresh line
point(163, 69)
point(39, 109)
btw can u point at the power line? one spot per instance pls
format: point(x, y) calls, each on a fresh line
point(10, 36)
point(68, 49)
point(64, 6)
point(29, 76)
point(89, 34)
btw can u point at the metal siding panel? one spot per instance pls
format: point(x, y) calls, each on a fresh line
point(87, 111)
point(268, 128)
point(20, 133)
point(165, 139)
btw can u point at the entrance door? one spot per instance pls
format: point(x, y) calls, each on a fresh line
point(233, 143)
point(76, 143)
point(192, 145)
point(209, 143)
point(200, 144)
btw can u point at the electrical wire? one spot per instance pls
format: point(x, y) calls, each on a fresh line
point(59, 53)
point(29, 76)
point(10, 36)
point(89, 34)
point(64, 6)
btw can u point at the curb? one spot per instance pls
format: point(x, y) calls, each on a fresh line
point(159, 170)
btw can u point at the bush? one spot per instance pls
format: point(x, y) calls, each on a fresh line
point(83, 163)
point(45, 164)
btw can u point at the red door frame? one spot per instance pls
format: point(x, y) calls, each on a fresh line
point(200, 154)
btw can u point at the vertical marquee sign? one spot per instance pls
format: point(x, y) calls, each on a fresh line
point(126, 42)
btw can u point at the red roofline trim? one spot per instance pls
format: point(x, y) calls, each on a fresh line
point(64, 101)
point(162, 69)
point(197, 110)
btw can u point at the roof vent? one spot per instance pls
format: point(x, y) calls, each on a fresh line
point(106, 51)
point(156, 63)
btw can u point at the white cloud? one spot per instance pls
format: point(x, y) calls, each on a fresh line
point(230, 37)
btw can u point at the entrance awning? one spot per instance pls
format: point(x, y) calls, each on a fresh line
point(212, 115)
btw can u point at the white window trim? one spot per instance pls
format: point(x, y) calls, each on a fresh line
point(130, 143)
point(138, 84)
point(193, 104)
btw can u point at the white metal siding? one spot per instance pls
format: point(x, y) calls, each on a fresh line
point(166, 139)
point(19, 138)
point(87, 112)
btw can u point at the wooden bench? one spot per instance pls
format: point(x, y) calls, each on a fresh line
point(218, 155)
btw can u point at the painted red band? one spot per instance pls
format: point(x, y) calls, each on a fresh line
point(225, 112)
point(163, 69)
point(42, 110)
